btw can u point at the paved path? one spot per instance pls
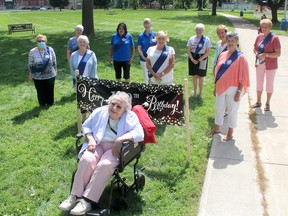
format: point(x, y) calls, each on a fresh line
point(230, 187)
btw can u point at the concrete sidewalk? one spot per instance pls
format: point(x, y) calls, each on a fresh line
point(230, 187)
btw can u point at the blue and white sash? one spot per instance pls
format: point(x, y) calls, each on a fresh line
point(161, 59)
point(224, 67)
point(83, 62)
point(124, 38)
point(45, 60)
point(200, 45)
point(264, 42)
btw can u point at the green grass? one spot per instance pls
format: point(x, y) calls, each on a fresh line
point(37, 145)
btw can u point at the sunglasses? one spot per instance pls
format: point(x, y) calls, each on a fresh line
point(40, 41)
point(118, 107)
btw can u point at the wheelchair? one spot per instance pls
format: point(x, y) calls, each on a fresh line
point(129, 152)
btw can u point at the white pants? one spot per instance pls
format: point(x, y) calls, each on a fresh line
point(226, 100)
point(145, 72)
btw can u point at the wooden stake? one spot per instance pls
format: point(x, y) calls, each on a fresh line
point(187, 118)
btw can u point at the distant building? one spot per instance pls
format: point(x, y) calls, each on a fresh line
point(27, 4)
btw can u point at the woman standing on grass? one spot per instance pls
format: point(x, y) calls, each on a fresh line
point(43, 70)
point(160, 61)
point(83, 59)
point(121, 52)
point(231, 82)
point(198, 48)
point(221, 45)
point(267, 49)
point(145, 40)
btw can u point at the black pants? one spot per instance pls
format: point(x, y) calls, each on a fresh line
point(45, 91)
point(118, 69)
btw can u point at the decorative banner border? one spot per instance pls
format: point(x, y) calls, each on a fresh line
point(163, 102)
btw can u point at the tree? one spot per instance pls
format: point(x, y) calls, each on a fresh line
point(214, 6)
point(87, 17)
point(274, 5)
point(59, 3)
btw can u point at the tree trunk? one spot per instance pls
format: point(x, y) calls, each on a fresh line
point(214, 6)
point(274, 14)
point(87, 17)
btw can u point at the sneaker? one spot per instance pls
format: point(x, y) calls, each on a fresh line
point(68, 204)
point(81, 208)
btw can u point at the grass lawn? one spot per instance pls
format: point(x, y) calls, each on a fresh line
point(37, 145)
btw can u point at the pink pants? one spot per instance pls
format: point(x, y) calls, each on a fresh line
point(261, 72)
point(94, 171)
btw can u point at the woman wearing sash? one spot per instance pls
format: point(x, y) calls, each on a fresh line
point(221, 45)
point(121, 52)
point(73, 46)
point(231, 82)
point(267, 49)
point(43, 70)
point(198, 48)
point(160, 61)
point(145, 40)
point(83, 59)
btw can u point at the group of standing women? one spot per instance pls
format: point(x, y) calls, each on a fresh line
point(231, 73)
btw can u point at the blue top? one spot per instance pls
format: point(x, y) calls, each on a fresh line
point(72, 44)
point(145, 41)
point(122, 47)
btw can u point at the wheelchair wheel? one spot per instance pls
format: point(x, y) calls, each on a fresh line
point(140, 182)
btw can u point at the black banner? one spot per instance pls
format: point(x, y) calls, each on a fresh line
point(163, 102)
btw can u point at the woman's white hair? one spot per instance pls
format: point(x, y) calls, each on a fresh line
point(83, 37)
point(200, 26)
point(147, 21)
point(79, 27)
point(123, 96)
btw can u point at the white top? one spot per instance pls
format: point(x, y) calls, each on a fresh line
point(193, 42)
point(153, 54)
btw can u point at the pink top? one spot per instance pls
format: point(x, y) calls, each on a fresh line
point(238, 72)
point(271, 46)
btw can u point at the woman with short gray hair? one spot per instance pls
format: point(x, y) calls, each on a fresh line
point(198, 49)
point(231, 83)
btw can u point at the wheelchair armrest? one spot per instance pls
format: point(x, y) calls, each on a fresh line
point(129, 151)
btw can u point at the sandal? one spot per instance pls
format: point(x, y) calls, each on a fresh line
point(267, 107)
point(227, 138)
point(256, 105)
point(212, 132)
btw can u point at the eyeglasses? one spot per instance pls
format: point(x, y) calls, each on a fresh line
point(40, 41)
point(118, 107)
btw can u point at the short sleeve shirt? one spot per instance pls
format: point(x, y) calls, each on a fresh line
point(193, 42)
point(72, 44)
point(122, 47)
point(146, 41)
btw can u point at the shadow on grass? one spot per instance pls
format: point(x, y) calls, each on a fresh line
point(170, 178)
point(66, 99)
point(69, 131)
point(30, 114)
point(195, 102)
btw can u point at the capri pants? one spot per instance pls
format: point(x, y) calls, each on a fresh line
point(94, 171)
point(226, 99)
point(261, 72)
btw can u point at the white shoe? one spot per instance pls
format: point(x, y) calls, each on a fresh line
point(81, 208)
point(68, 204)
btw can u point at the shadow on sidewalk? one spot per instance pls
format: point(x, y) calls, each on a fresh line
point(225, 153)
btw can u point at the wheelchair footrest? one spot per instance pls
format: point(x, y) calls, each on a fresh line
point(98, 212)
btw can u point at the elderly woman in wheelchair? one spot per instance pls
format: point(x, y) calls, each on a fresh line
point(105, 130)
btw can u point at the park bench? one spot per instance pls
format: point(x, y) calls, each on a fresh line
point(203, 13)
point(21, 28)
point(111, 13)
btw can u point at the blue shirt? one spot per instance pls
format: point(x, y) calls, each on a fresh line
point(72, 44)
point(145, 41)
point(122, 47)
